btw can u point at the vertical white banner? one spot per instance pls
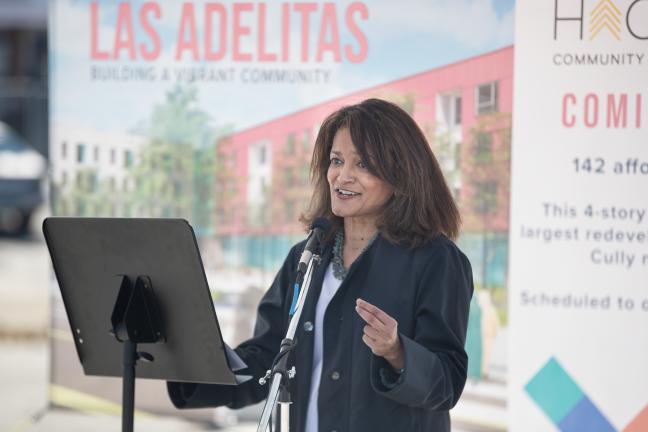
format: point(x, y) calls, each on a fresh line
point(579, 222)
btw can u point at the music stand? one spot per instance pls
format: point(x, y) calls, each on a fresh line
point(137, 284)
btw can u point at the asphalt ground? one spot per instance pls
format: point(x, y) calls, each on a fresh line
point(25, 407)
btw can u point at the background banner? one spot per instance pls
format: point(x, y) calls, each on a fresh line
point(208, 111)
point(579, 261)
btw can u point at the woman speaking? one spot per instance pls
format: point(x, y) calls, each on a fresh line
point(382, 332)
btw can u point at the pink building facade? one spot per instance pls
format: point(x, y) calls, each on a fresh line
point(463, 108)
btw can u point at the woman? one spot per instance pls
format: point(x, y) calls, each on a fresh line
point(381, 337)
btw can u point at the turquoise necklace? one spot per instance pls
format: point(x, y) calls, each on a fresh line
point(339, 271)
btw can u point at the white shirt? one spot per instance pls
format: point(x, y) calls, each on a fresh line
point(329, 288)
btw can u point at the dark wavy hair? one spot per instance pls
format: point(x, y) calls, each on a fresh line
point(395, 150)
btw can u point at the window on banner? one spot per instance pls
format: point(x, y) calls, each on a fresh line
point(450, 110)
point(258, 182)
point(306, 141)
point(487, 98)
point(485, 200)
point(483, 147)
point(448, 132)
point(80, 153)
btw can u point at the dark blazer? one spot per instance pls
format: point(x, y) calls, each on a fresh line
point(427, 290)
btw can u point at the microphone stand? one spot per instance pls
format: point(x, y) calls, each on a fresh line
point(280, 374)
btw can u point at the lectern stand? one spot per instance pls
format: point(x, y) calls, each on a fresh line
point(135, 320)
point(136, 297)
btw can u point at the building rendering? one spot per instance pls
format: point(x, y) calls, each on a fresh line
point(92, 172)
point(464, 109)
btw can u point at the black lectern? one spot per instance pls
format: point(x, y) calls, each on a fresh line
point(135, 289)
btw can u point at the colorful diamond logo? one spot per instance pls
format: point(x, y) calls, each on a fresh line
point(564, 402)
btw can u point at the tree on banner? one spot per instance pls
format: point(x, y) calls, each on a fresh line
point(176, 167)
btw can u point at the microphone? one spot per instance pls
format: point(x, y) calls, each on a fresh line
point(279, 370)
point(318, 229)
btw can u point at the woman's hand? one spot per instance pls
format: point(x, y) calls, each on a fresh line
point(381, 334)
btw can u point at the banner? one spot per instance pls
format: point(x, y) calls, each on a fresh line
point(579, 261)
point(209, 110)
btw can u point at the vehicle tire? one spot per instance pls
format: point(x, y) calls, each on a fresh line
point(14, 221)
point(26, 219)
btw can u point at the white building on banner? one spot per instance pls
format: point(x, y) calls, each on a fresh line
point(90, 170)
